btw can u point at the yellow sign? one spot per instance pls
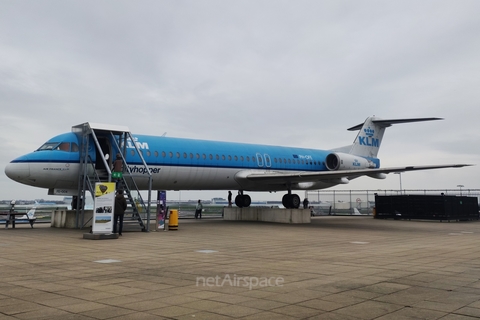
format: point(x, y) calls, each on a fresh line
point(104, 188)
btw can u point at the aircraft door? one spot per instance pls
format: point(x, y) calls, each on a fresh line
point(268, 162)
point(100, 154)
point(259, 160)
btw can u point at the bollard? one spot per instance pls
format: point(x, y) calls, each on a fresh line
point(173, 222)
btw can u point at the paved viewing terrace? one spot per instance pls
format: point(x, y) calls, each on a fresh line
point(351, 267)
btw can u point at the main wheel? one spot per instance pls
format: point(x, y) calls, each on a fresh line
point(295, 201)
point(291, 201)
point(243, 201)
point(247, 201)
point(239, 201)
point(286, 201)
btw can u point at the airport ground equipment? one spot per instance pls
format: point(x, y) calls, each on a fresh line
point(110, 141)
point(173, 220)
point(427, 207)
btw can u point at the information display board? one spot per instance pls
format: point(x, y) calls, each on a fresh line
point(103, 207)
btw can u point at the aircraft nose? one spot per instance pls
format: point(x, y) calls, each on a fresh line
point(18, 171)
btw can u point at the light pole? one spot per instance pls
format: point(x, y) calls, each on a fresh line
point(460, 186)
point(400, 176)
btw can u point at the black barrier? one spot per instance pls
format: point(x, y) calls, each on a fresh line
point(427, 207)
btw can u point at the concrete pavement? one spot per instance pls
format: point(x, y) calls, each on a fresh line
point(333, 268)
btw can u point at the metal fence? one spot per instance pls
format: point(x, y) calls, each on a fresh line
point(362, 201)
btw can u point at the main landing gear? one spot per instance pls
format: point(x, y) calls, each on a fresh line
point(243, 200)
point(291, 201)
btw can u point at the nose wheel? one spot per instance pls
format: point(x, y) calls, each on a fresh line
point(291, 201)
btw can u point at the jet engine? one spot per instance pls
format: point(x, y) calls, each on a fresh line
point(345, 161)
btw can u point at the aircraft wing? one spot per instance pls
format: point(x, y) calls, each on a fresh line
point(275, 177)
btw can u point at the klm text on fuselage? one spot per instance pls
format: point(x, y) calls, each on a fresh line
point(140, 145)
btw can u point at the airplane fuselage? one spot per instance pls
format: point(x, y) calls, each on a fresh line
point(175, 164)
point(165, 163)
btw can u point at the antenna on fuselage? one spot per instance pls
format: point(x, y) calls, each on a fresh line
point(164, 134)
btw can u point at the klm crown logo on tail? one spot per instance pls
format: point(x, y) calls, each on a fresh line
point(369, 132)
point(369, 140)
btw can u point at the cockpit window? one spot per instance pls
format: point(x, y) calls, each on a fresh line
point(48, 146)
point(59, 146)
point(64, 146)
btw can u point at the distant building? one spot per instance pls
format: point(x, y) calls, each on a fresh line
point(219, 201)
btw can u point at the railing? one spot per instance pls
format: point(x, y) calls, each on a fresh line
point(346, 201)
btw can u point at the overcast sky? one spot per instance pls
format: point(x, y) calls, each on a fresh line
point(294, 73)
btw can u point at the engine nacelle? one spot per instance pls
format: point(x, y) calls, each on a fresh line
point(345, 161)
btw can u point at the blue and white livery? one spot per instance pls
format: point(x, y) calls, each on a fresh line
point(189, 164)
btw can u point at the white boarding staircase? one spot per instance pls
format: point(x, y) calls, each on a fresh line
point(107, 141)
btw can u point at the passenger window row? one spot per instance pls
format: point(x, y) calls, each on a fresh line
point(204, 156)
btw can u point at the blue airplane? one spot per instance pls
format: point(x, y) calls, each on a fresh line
point(191, 164)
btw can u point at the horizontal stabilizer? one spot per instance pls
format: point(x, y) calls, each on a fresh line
point(387, 123)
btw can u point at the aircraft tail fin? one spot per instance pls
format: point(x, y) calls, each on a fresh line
point(370, 135)
point(29, 216)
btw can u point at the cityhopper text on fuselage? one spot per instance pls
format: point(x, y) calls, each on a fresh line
point(191, 164)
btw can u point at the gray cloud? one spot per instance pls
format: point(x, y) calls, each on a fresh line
point(271, 72)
